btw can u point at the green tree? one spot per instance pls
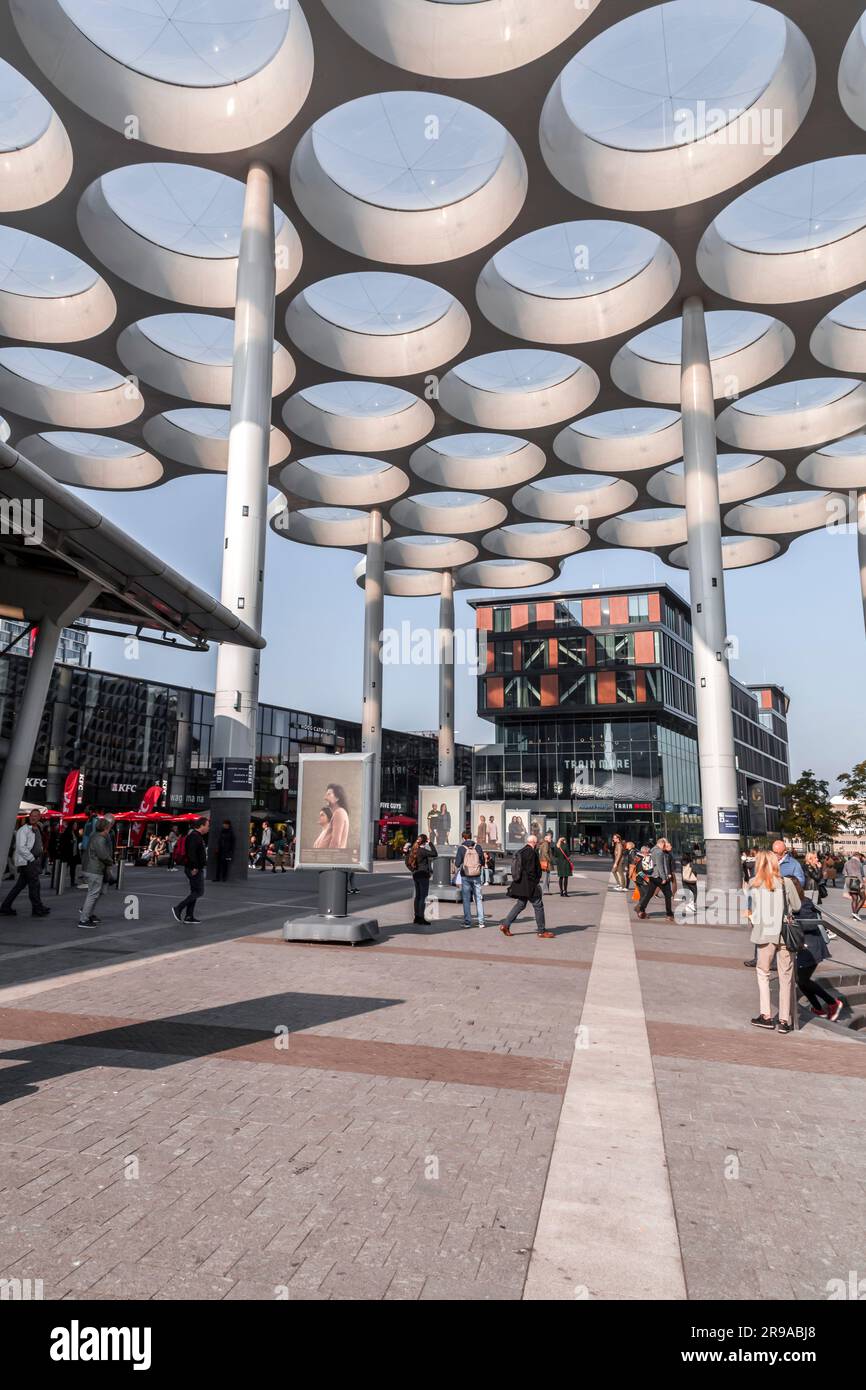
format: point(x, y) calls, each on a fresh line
point(808, 814)
point(852, 785)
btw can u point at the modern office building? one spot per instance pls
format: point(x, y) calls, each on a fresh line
point(593, 699)
point(126, 734)
point(71, 650)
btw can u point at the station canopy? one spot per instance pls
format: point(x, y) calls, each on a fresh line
point(488, 214)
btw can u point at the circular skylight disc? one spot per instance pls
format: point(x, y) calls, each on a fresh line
point(453, 38)
point(839, 340)
point(327, 526)
point(788, 514)
point(352, 480)
point(506, 574)
point(429, 552)
point(183, 75)
point(35, 153)
point(745, 349)
point(377, 322)
point(738, 552)
point(408, 178)
point(574, 497)
point(654, 528)
point(197, 437)
point(403, 583)
point(794, 415)
point(841, 464)
point(358, 416)
point(625, 441)
point(852, 75)
point(741, 476)
point(577, 281)
point(57, 388)
point(191, 356)
point(458, 513)
point(517, 389)
point(484, 461)
point(174, 230)
point(47, 295)
point(92, 460)
point(797, 236)
point(677, 102)
point(536, 540)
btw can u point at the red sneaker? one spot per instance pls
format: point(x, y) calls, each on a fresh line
point(834, 1010)
point(548, 935)
point(506, 931)
point(820, 1013)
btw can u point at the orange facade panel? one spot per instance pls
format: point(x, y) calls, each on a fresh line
point(544, 614)
point(592, 612)
point(519, 615)
point(640, 687)
point(605, 683)
point(655, 607)
point(549, 690)
point(484, 619)
point(619, 608)
point(495, 692)
point(644, 648)
point(766, 699)
point(489, 657)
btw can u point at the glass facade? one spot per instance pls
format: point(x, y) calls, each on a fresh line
point(593, 699)
point(128, 734)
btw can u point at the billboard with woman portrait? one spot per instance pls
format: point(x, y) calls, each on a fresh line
point(334, 828)
point(517, 826)
point(487, 825)
point(442, 816)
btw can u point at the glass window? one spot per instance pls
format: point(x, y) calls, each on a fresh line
point(502, 620)
point(572, 651)
point(534, 654)
point(638, 607)
point(503, 657)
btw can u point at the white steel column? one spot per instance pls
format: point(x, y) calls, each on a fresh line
point(706, 585)
point(374, 619)
point(28, 716)
point(446, 682)
point(861, 545)
point(237, 677)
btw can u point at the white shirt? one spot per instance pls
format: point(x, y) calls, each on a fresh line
point(25, 838)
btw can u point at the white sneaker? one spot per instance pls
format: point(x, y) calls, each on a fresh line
point(482, 925)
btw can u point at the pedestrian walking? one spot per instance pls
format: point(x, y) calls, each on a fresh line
point(419, 862)
point(563, 865)
point(96, 865)
point(225, 851)
point(27, 861)
point(619, 864)
point(690, 880)
point(773, 901)
point(525, 888)
point(171, 846)
point(264, 846)
point(468, 864)
point(545, 855)
point(281, 853)
point(193, 853)
point(853, 874)
point(809, 957)
point(658, 867)
point(68, 851)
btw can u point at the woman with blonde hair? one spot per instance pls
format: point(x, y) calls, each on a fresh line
point(773, 900)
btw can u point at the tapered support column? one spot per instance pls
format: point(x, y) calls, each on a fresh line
point(237, 676)
point(57, 770)
point(374, 619)
point(29, 713)
point(861, 545)
point(709, 626)
point(446, 681)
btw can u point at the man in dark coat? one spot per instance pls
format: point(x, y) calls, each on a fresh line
point(658, 880)
point(194, 860)
point(525, 889)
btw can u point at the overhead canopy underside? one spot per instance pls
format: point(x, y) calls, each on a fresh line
point(488, 216)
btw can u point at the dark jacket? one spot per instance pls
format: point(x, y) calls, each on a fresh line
point(561, 862)
point(426, 853)
point(226, 842)
point(525, 884)
point(663, 864)
point(196, 854)
point(68, 846)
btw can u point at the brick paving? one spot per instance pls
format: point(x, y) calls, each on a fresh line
point(213, 1113)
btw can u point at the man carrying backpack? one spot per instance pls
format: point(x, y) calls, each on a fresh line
point(469, 865)
point(192, 853)
point(525, 888)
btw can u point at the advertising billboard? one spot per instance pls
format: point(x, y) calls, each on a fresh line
point(487, 824)
point(517, 826)
point(441, 816)
point(333, 829)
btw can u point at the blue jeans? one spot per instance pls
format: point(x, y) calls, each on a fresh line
point(471, 888)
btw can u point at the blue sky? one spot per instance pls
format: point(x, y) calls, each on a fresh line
point(798, 622)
